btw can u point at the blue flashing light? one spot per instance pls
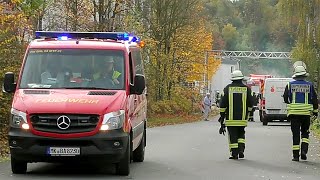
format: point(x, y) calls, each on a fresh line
point(123, 36)
point(134, 39)
point(60, 35)
point(63, 38)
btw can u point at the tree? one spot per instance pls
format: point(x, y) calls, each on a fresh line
point(14, 26)
point(306, 15)
point(108, 15)
point(230, 35)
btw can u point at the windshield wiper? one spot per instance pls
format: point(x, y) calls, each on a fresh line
point(85, 88)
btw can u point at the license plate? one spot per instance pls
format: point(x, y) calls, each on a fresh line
point(63, 151)
point(274, 111)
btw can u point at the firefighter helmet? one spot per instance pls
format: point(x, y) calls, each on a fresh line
point(300, 71)
point(236, 75)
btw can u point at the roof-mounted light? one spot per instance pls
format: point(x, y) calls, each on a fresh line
point(63, 38)
point(122, 36)
point(60, 35)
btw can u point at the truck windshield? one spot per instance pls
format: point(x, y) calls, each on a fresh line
point(74, 69)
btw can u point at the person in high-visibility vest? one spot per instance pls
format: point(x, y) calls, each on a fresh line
point(302, 101)
point(108, 72)
point(236, 104)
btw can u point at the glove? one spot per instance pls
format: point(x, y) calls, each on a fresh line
point(222, 129)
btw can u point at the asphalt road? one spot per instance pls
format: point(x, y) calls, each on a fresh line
point(197, 151)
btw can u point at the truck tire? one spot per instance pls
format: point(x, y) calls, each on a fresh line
point(138, 154)
point(123, 167)
point(265, 121)
point(18, 167)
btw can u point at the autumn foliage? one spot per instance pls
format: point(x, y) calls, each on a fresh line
point(175, 32)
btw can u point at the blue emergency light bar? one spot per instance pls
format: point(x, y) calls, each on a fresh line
point(60, 35)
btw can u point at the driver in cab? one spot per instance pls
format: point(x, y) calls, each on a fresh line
point(107, 76)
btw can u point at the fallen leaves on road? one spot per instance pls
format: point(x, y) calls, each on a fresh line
point(4, 147)
point(163, 120)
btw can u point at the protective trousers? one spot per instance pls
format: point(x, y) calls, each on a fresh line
point(300, 123)
point(236, 139)
point(251, 115)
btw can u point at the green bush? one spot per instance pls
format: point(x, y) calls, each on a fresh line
point(183, 101)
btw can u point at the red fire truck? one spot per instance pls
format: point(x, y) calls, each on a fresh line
point(80, 96)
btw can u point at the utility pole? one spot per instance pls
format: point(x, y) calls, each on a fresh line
point(206, 79)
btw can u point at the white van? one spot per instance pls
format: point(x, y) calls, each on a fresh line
point(275, 108)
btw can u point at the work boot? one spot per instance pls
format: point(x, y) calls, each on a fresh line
point(295, 159)
point(241, 155)
point(303, 155)
point(295, 155)
point(234, 154)
point(233, 157)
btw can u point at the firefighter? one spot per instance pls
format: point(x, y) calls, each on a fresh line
point(251, 114)
point(302, 103)
point(236, 103)
point(218, 97)
point(107, 72)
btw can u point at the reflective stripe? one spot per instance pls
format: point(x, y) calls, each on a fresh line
point(230, 105)
point(223, 110)
point(294, 97)
point(229, 140)
point(305, 140)
point(236, 122)
point(296, 147)
point(300, 109)
point(289, 89)
point(250, 109)
point(241, 140)
point(116, 74)
point(244, 107)
point(306, 97)
point(315, 110)
point(235, 145)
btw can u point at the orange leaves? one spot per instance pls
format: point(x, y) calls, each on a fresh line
point(193, 41)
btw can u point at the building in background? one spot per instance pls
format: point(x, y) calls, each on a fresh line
point(223, 75)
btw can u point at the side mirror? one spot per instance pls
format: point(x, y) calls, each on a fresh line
point(9, 85)
point(139, 84)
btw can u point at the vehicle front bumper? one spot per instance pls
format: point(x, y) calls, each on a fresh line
point(24, 146)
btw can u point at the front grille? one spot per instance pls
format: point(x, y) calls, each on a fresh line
point(64, 143)
point(78, 123)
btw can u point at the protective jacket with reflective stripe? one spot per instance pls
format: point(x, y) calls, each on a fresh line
point(301, 98)
point(236, 103)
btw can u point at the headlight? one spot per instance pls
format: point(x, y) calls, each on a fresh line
point(18, 119)
point(113, 120)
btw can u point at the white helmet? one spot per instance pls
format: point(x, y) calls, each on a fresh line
point(300, 71)
point(236, 75)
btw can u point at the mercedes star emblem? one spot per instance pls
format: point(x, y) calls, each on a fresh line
point(63, 122)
